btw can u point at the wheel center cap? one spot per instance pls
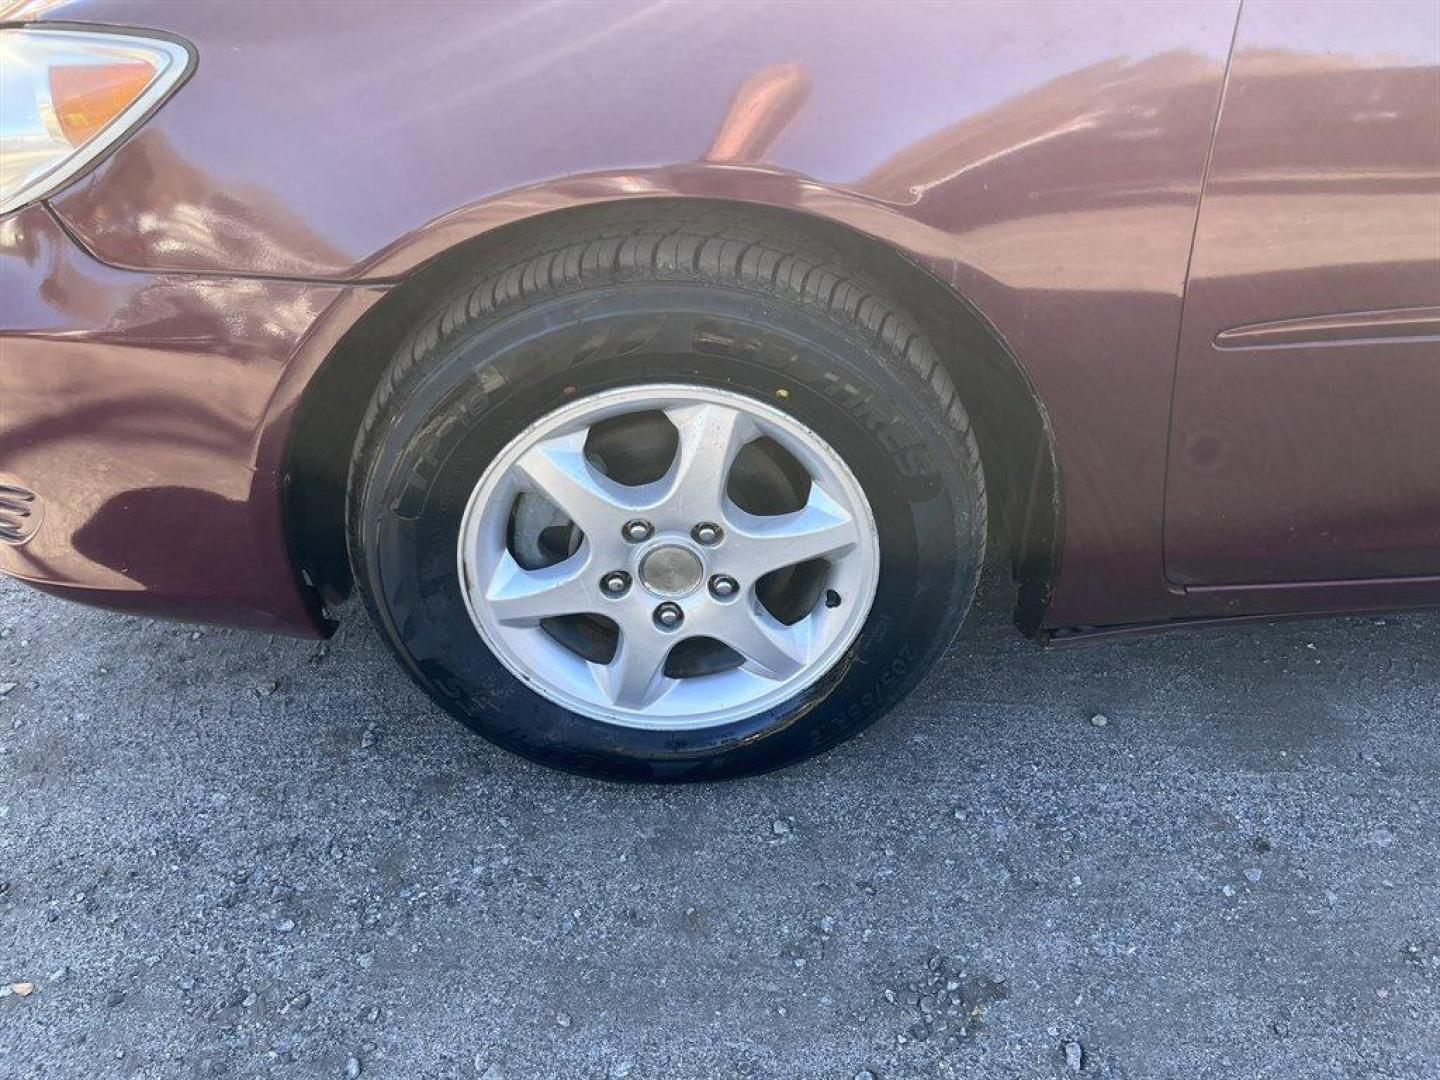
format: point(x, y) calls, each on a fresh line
point(671, 570)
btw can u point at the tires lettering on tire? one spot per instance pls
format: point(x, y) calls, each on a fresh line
point(889, 685)
point(910, 457)
point(605, 344)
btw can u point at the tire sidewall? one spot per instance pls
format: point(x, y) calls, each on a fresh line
point(489, 383)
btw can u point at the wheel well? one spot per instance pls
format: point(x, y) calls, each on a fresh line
point(1016, 445)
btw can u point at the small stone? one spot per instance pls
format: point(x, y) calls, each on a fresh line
point(865, 1074)
point(563, 1019)
point(780, 828)
point(1074, 1056)
point(487, 1072)
point(1100, 720)
point(265, 689)
point(22, 989)
point(1252, 874)
point(352, 1067)
point(1228, 890)
point(60, 973)
point(368, 738)
point(6, 687)
point(285, 926)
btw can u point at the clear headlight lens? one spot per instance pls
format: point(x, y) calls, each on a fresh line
point(67, 95)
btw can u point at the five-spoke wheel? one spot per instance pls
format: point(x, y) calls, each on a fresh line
point(666, 493)
point(738, 534)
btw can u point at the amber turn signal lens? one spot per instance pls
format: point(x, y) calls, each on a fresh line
point(88, 96)
point(67, 95)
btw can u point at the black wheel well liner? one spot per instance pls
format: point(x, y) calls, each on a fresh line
point(1016, 444)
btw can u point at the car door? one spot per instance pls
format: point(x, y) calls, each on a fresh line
point(1305, 435)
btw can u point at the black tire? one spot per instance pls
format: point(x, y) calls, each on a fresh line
point(699, 296)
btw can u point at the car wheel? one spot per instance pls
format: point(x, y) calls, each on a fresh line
point(675, 499)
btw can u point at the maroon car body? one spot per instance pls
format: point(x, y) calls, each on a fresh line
point(1201, 243)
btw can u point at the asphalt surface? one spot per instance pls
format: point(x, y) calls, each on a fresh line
point(230, 855)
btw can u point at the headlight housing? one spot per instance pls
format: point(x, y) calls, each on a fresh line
point(67, 96)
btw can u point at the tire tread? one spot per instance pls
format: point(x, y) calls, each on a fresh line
point(629, 243)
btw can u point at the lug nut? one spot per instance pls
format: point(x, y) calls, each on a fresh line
point(615, 583)
point(669, 616)
point(707, 533)
point(636, 531)
point(723, 587)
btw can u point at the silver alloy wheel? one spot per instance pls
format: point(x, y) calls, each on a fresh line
point(669, 568)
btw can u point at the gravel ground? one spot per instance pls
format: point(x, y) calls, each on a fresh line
point(224, 854)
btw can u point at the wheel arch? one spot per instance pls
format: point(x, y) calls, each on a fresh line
point(1011, 424)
